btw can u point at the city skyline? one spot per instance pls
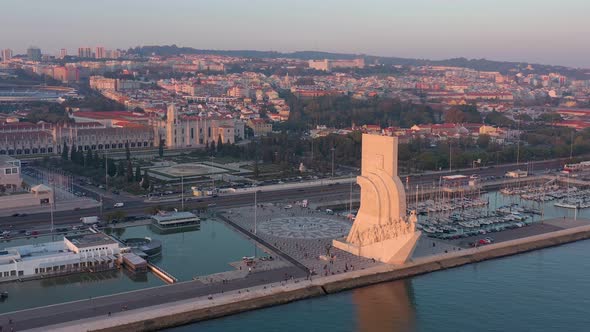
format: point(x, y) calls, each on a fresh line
point(528, 31)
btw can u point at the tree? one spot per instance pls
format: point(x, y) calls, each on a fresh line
point(137, 174)
point(127, 151)
point(212, 148)
point(219, 143)
point(74, 153)
point(89, 159)
point(483, 141)
point(64, 152)
point(549, 117)
point(255, 169)
point(121, 168)
point(129, 171)
point(145, 182)
point(454, 116)
point(95, 160)
point(112, 167)
point(161, 148)
point(116, 216)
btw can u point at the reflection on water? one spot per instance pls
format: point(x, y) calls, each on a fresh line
point(385, 307)
point(174, 230)
point(542, 291)
point(34, 293)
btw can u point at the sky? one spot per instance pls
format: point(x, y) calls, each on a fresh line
point(536, 31)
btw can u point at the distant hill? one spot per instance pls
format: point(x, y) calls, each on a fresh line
point(477, 64)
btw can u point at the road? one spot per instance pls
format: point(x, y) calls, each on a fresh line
point(327, 192)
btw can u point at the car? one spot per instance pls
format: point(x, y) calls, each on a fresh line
point(22, 231)
point(27, 233)
point(61, 230)
point(116, 192)
point(119, 204)
point(34, 233)
point(490, 239)
point(15, 214)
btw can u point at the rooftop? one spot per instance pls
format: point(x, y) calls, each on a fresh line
point(170, 216)
point(90, 240)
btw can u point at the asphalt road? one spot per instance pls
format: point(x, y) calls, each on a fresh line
point(332, 192)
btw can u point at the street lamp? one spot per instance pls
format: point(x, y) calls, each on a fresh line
point(333, 150)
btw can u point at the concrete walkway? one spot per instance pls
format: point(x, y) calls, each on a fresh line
point(40, 318)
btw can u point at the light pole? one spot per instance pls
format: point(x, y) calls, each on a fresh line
point(571, 144)
point(106, 170)
point(350, 205)
point(182, 192)
point(450, 156)
point(333, 150)
point(255, 209)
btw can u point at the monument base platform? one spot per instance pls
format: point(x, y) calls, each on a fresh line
point(392, 251)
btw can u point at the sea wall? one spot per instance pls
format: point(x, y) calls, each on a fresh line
point(440, 262)
point(174, 314)
point(247, 303)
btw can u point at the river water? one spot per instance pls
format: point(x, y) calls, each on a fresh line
point(544, 290)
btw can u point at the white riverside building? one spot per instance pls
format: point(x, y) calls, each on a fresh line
point(77, 253)
point(175, 219)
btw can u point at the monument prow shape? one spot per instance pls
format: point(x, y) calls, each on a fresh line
point(381, 230)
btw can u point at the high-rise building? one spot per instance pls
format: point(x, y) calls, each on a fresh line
point(63, 53)
point(34, 53)
point(6, 55)
point(84, 52)
point(99, 54)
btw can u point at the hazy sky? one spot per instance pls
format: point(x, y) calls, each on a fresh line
point(544, 31)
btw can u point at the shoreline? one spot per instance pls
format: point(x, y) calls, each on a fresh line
point(220, 305)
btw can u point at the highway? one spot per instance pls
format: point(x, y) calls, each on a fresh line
point(324, 192)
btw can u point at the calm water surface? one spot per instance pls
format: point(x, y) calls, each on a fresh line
point(185, 254)
point(545, 290)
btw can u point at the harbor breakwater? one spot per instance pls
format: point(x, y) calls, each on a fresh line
point(190, 311)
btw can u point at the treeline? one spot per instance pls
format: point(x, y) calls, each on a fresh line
point(288, 149)
point(123, 174)
point(343, 111)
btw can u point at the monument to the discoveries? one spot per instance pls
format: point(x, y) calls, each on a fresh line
point(382, 230)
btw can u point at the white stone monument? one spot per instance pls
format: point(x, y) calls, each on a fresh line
point(382, 230)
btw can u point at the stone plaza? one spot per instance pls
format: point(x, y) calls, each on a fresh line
point(306, 235)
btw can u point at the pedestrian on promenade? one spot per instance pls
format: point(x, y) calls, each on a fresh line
point(109, 314)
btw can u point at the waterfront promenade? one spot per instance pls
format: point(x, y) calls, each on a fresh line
point(101, 306)
point(187, 310)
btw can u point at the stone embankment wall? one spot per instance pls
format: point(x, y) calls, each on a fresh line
point(151, 319)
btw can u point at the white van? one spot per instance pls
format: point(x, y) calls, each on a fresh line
point(119, 204)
